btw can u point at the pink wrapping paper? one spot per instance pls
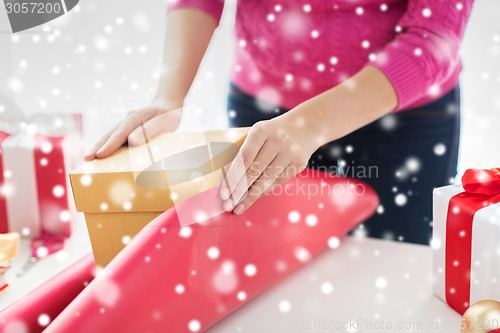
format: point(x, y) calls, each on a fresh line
point(48, 299)
point(173, 279)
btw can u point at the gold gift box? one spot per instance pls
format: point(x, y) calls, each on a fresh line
point(120, 194)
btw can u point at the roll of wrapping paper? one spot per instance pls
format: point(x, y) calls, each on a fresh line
point(185, 279)
point(49, 299)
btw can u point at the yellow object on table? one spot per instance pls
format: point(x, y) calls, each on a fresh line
point(9, 245)
point(120, 194)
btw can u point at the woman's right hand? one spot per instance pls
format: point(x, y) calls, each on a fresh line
point(158, 118)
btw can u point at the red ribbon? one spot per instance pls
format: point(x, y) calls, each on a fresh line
point(4, 225)
point(51, 185)
point(482, 188)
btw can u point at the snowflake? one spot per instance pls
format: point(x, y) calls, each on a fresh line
point(285, 306)
point(179, 289)
point(127, 205)
point(333, 242)
point(439, 149)
point(413, 164)
point(119, 21)
point(58, 191)
point(213, 253)
point(381, 283)
point(65, 216)
point(26, 231)
point(142, 22)
point(15, 326)
point(194, 325)
point(185, 232)
point(43, 319)
point(268, 98)
point(250, 270)
point(302, 254)
point(101, 43)
point(126, 239)
point(241, 296)
point(327, 288)
point(106, 292)
point(225, 279)
point(294, 216)
point(311, 220)
point(86, 180)
point(15, 84)
point(400, 199)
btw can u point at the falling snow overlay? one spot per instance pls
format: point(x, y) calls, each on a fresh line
point(103, 60)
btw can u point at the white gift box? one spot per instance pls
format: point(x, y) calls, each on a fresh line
point(35, 192)
point(484, 267)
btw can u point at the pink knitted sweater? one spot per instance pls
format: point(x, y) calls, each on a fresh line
point(290, 51)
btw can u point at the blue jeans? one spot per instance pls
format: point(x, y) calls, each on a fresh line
point(403, 156)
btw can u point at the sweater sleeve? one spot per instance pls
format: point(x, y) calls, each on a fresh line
point(425, 51)
point(212, 7)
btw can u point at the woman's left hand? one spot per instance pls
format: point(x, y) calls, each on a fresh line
point(274, 151)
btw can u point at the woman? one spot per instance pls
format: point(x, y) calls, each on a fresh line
point(361, 85)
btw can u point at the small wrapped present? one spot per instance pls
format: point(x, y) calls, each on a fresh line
point(9, 245)
point(35, 156)
point(466, 239)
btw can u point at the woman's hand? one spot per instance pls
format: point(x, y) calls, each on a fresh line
point(274, 151)
point(160, 117)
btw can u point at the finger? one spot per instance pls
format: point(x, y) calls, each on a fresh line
point(162, 123)
point(91, 154)
point(276, 172)
point(244, 158)
point(264, 158)
point(119, 136)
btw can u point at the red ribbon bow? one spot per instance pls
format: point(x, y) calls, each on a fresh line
point(482, 188)
point(482, 181)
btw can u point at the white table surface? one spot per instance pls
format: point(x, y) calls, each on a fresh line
point(357, 270)
point(376, 284)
